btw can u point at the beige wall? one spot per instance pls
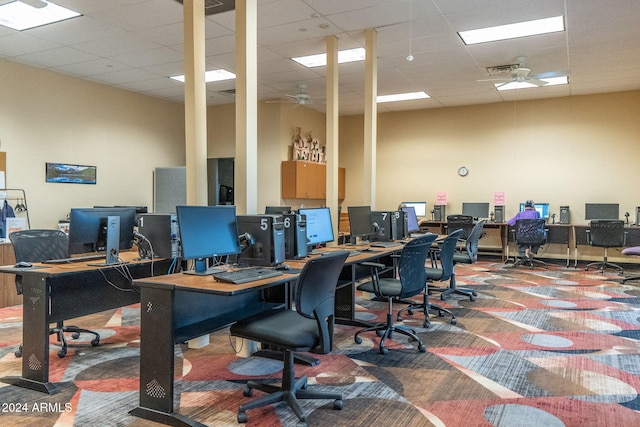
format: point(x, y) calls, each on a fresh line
point(47, 117)
point(565, 151)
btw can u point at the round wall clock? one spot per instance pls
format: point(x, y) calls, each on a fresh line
point(463, 171)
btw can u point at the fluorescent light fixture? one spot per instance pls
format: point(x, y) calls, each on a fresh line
point(551, 81)
point(21, 16)
point(402, 97)
point(320, 59)
point(211, 76)
point(512, 31)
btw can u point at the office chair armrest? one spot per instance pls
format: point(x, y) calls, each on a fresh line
point(624, 238)
point(588, 235)
point(375, 276)
point(373, 264)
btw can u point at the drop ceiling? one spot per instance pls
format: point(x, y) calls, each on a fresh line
point(136, 45)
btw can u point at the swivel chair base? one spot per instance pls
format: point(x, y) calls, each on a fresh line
point(630, 278)
point(530, 261)
point(425, 307)
point(289, 392)
point(386, 330)
point(602, 266)
point(60, 330)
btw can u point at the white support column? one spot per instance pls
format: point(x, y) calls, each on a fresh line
point(332, 145)
point(370, 116)
point(195, 102)
point(246, 161)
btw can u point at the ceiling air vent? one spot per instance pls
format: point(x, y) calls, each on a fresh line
point(211, 7)
point(500, 70)
point(228, 92)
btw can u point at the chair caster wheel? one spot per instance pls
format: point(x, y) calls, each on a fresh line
point(384, 350)
point(454, 322)
point(18, 353)
point(75, 335)
point(95, 342)
point(358, 340)
point(379, 333)
point(426, 325)
point(422, 348)
point(62, 353)
point(472, 298)
point(410, 312)
point(242, 417)
point(398, 319)
point(337, 404)
point(247, 392)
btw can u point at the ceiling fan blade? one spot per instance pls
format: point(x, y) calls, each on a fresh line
point(536, 82)
point(505, 83)
point(552, 74)
point(38, 4)
point(503, 79)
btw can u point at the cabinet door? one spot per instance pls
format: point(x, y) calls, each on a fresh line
point(316, 181)
point(294, 178)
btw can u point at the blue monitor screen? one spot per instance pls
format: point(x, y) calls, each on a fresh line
point(208, 231)
point(87, 228)
point(476, 210)
point(419, 207)
point(412, 219)
point(542, 208)
point(319, 227)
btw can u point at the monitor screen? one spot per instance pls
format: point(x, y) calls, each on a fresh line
point(542, 208)
point(208, 231)
point(476, 210)
point(419, 207)
point(88, 228)
point(601, 211)
point(319, 228)
point(277, 210)
point(412, 219)
point(360, 222)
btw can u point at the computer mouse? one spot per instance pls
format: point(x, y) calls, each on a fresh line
point(283, 267)
point(23, 264)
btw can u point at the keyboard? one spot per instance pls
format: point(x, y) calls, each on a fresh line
point(75, 259)
point(245, 275)
point(385, 244)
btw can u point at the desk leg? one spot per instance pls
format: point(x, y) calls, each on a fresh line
point(35, 337)
point(157, 364)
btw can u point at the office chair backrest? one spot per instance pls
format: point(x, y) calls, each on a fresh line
point(39, 245)
point(607, 233)
point(473, 240)
point(315, 293)
point(411, 265)
point(531, 231)
point(460, 222)
point(447, 249)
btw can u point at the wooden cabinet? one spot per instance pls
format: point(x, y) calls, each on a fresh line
point(307, 180)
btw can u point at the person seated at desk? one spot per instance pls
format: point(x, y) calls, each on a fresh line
point(529, 212)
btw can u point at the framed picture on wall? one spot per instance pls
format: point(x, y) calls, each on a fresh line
point(70, 174)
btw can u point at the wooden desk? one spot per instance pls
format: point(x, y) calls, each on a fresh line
point(179, 307)
point(55, 292)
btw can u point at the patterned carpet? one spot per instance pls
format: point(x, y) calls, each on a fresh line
point(557, 347)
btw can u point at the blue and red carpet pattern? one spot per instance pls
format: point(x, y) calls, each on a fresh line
point(557, 347)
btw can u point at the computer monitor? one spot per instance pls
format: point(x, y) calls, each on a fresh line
point(277, 210)
point(90, 231)
point(601, 211)
point(542, 208)
point(207, 232)
point(319, 227)
point(412, 219)
point(419, 207)
point(360, 222)
point(476, 210)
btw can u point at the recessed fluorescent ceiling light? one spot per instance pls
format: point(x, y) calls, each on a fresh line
point(348, 55)
point(402, 97)
point(512, 31)
point(551, 81)
point(21, 16)
point(211, 76)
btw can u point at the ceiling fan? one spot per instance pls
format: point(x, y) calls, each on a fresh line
point(520, 74)
point(38, 4)
point(300, 98)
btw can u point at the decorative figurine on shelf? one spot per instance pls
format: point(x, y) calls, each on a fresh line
point(306, 148)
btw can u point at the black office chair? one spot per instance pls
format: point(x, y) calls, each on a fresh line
point(460, 222)
point(468, 256)
point(41, 245)
point(530, 234)
point(445, 272)
point(606, 233)
point(412, 278)
point(307, 328)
